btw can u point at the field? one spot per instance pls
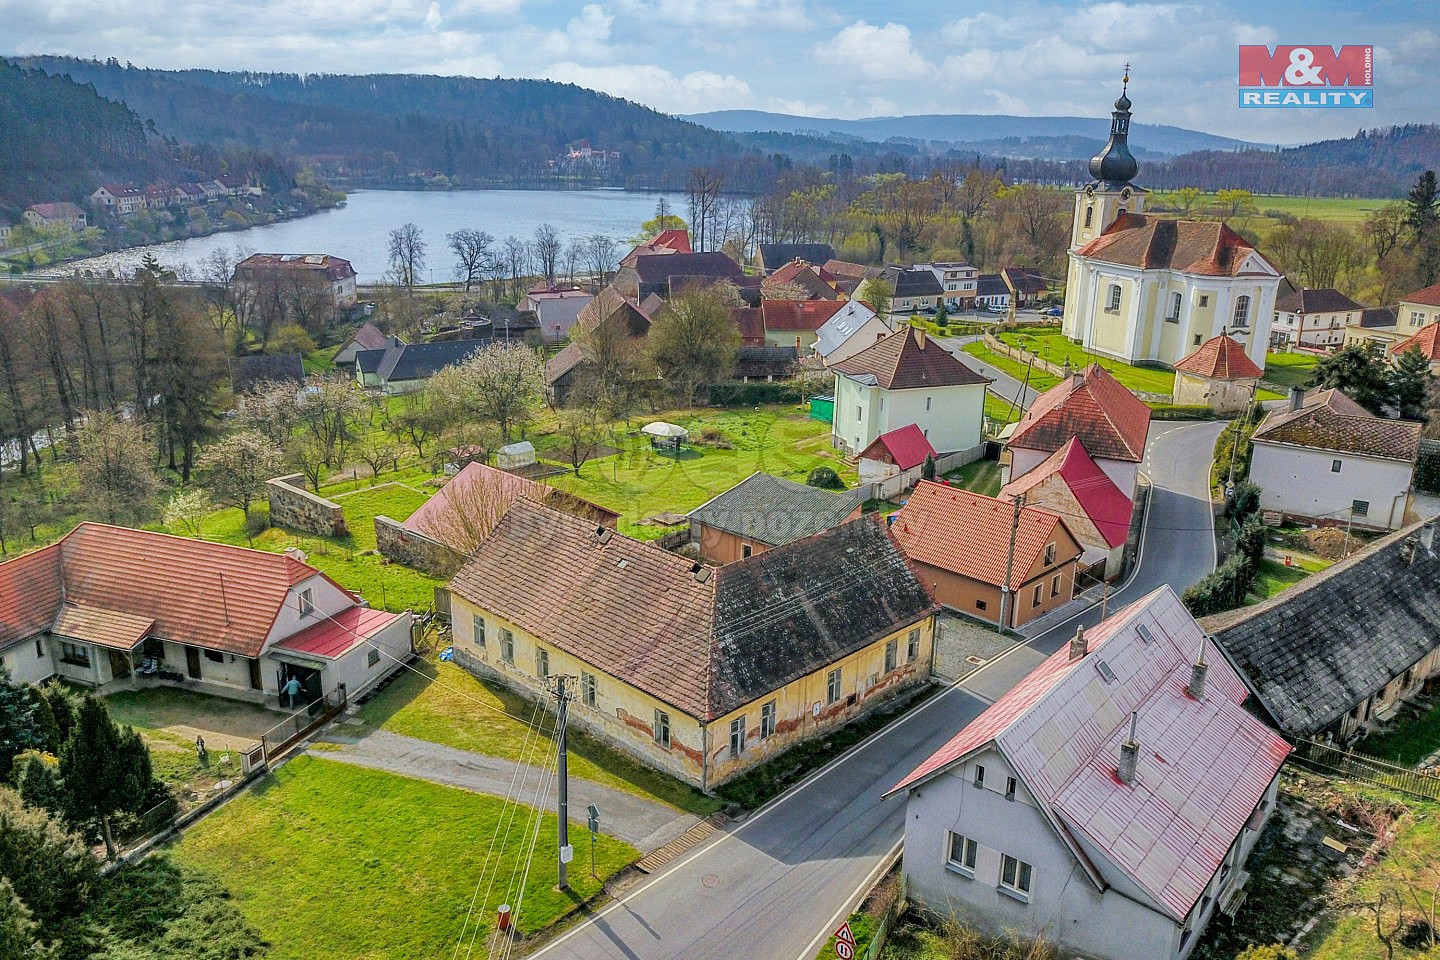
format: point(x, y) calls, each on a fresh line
point(1337, 209)
point(341, 862)
point(443, 709)
point(981, 476)
point(1287, 370)
point(1055, 348)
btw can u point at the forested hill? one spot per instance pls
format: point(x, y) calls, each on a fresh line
point(389, 127)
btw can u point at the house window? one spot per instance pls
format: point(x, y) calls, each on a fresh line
point(892, 650)
point(927, 404)
point(214, 656)
point(1416, 318)
point(1039, 588)
point(1197, 339)
point(859, 413)
point(746, 551)
point(1055, 586)
point(1242, 311)
point(1009, 788)
point(767, 720)
point(372, 658)
point(1334, 466)
point(75, 654)
point(832, 686)
point(477, 629)
point(39, 648)
point(662, 728)
point(1204, 300)
point(1112, 299)
point(737, 736)
point(1174, 315)
point(507, 646)
point(1361, 508)
point(1015, 875)
point(962, 854)
point(307, 602)
point(980, 604)
point(587, 688)
point(979, 775)
point(912, 646)
point(1049, 554)
point(1089, 216)
point(542, 662)
point(881, 408)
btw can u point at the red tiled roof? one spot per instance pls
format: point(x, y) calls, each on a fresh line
point(969, 534)
point(798, 268)
point(1430, 296)
point(332, 637)
point(902, 362)
point(677, 240)
point(1220, 358)
point(1092, 405)
point(1105, 504)
point(106, 628)
point(1329, 420)
point(1203, 765)
point(809, 315)
point(906, 447)
point(751, 324)
point(30, 594)
point(1203, 247)
point(1427, 341)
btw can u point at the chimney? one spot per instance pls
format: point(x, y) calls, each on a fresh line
point(920, 338)
point(1427, 536)
point(1198, 669)
point(797, 343)
point(1297, 398)
point(1129, 755)
point(1077, 644)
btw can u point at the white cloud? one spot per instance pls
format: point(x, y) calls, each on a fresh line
point(657, 87)
point(878, 52)
point(729, 15)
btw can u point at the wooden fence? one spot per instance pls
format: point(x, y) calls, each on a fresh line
point(1347, 764)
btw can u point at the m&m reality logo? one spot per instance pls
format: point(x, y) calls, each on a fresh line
point(1316, 75)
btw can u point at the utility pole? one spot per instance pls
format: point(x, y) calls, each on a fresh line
point(566, 852)
point(1005, 593)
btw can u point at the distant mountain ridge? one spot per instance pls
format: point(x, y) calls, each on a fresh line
point(973, 132)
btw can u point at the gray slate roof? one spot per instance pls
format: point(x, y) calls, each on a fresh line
point(416, 361)
point(775, 511)
point(246, 373)
point(915, 283)
point(773, 256)
point(1318, 650)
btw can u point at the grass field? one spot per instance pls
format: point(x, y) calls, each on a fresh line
point(1339, 209)
point(1055, 348)
point(1412, 738)
point(1287, 370)
point(446, 712)
point(1039, 381)
point(981, 476)
point(1001, 410)
point(336, 861)
point(1273, 576)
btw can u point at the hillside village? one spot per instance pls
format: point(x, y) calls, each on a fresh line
point(1093, 612)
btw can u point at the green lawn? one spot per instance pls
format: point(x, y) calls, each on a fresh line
point(1039, 381)
point(336, 861)
point(1286, 370)
point(1412, 738)
point(1273, 576)
point(639, 482)
point(446, 712)
point(981, 476)
point(1001, 410)
point(1055, 348)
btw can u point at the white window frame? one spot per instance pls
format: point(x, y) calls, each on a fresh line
point(507, 647)
point(1241, 316)
point(969, 853)
point(477, 630)
point(768, 715)
point(589, 689)
point(1174, 315)
point(892, 653)
point(1022, 877)
point(912, 646)
point(542, 662)
point(737, 736)
point(661, 731)
point(306, 602)
point(1112, 298)
point(832, 686)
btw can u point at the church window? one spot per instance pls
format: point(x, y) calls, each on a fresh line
point(1242, 311)
point(1112, 302)
point(1204, 300)
point(1089, 215)
point(1174, 315)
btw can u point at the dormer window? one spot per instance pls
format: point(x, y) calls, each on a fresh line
point(307, 602)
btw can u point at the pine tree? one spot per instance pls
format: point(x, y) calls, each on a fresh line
point(927, 471)
point(1358, 372)
point(106, 769)
point(17, 722)
point(62, 708)
point(1409, 378)
point(43, 721)
point(1423, 218)
point(39, 783)
point(18, 930)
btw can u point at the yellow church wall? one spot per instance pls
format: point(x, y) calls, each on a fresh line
point(1107, 332)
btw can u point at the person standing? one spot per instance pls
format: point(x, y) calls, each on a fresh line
point(291, 690)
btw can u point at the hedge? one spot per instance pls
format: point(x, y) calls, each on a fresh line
point(753, 394)
point(1175, 411)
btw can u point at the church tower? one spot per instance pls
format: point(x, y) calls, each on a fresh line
point(1111, 193)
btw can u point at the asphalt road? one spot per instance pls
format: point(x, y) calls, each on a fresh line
point(1005, 386)
point(776, 883)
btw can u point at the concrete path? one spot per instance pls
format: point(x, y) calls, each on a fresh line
point(644, 824)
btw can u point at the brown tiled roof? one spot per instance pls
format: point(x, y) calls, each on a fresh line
point(969, 533)
point(1329, 420)
point(1430, 296)
point(1024, 280)
point(30, 594)
point(750, 322)
point(1220, 358)
point(809, 315)
point(106, 628)
point(705, 645)
point(1111, 421)
point(1322, 300)
point(1201, 247)
point(367, 337)
point(569, 357)
point(1427, 341)
point(901, 362)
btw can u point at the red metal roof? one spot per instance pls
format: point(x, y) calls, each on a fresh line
point(1105, 504)
point(1220, 358)
point(677, 240)
point(1092, 405)
point(1203, 764)
point(906, 447)
point(333, 636)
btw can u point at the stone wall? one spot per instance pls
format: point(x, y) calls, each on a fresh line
point(291, 505)
point(415, 549)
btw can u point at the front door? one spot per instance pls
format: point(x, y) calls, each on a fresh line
point(119, 664)
point(192, 662)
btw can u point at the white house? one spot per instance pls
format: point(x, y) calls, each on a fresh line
point(1108, 802)
point(905, 379)
point(1325, 458)
point(1142, 288)
point(115, 608)
point(849, 331)
point(119, 199)
point(957, 281)
point(1314, 318)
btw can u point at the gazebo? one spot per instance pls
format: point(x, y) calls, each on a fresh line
point(665, 436)
point(1218, 375)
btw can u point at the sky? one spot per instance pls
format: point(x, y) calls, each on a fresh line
point(827, 58)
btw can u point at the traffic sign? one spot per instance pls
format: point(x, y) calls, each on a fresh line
point(845, 933)
point(844, 950)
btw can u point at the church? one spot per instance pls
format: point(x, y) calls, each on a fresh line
point(1147, 289)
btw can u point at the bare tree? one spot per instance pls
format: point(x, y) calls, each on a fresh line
point(503, 383)
point(580, 430)
point(378, 452)
point(1384, 227)
point(407, 255)
point(112, 469)
point(702, 193)
point(516, 253)
point(238, 466)
point(330, 411)
point(693, 341)
point(307, 454)
point(571, 259)
point(270, 409)
point(474, 250)
point(600, 257)
point(546, 246)
point(416, 418)
point(473, 502)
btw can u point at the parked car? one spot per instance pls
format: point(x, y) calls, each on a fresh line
point(1053, 312)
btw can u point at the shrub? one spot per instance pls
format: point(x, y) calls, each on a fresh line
point(825, 478)
point(1250, 542)
point(1222, 589)
point(1269, 951)
point(1244, 500)
point(753, 394)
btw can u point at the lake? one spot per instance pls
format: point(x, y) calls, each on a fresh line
point(360, 231)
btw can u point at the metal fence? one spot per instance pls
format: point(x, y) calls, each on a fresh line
point(295, 727)
point(1349, 765)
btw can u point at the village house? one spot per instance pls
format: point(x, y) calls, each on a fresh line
point(259, 370)
point(611, 315)
point(662, 275)
point(916, 290)
point(1426, 343)
point(1150, 289)
point(367, 336)
point(960, 545)
point(850, 276)
point(319, 268)
point(895, 460)
point(957, 281)
point(1313, 319)
point(667, 241)
point(817, 282)
point(1338, 653)
point(766, 364)
point(117, 609)
point(1414, 312)
point(770, 257)
point(62, 214)
point(158, 196)
point(797, 323)
point(1376, 325)
point(1025, 284)
point(1325, 459)
point(118, 199)
point(764, 511)
point(1070, 483)
point(1107, 803)
point(703, 672)
point(991, 292)
point(5, 228)
point(852, 329)
point(906, 379)
point(556, 308)
point(403, 367)
point(1090, 404)
point(1218, 375)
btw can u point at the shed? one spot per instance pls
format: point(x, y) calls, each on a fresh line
point(823, 409)
point(515, 455)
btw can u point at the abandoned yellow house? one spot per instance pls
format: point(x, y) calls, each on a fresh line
point(701, 671)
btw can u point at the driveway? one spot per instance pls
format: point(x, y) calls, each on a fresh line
point(775, 884)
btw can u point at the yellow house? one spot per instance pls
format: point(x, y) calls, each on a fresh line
point(701, 671)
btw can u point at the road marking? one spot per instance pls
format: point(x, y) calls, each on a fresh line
point(848, 907)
